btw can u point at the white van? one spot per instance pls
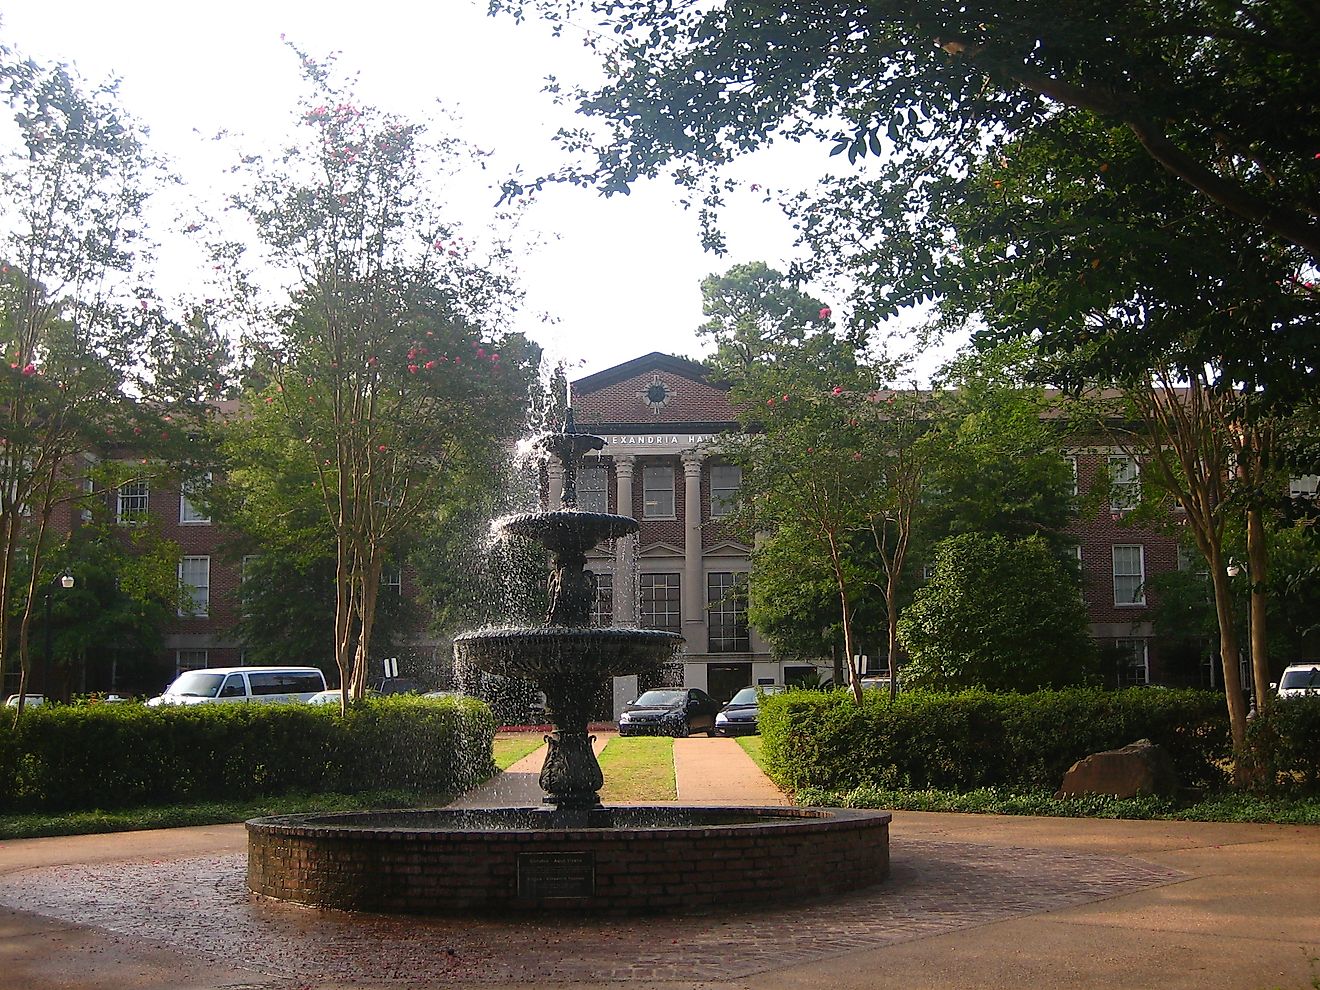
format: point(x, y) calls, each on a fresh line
point(1300, 679)
point(223, 684)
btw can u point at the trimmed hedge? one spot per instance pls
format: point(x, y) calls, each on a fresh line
point(1285, 746)
point(977, 739)
point(61, 758)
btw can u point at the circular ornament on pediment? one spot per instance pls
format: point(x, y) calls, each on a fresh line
point(656, 395)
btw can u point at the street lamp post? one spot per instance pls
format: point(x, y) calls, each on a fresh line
point(1234, 569)
point(66, 582)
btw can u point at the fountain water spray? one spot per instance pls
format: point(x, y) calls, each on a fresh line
point(567, 658)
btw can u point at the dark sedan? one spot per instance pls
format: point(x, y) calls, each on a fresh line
point(738, 717)
point(669, 712)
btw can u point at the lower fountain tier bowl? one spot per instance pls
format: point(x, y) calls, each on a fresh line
point(567, 531)
point(633, 860)
point(588, 652)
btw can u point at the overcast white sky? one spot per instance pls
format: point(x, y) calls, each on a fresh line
point(620, 276)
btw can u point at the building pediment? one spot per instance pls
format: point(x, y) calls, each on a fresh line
point(659, 549)
point(646, 394)
point(728, 548)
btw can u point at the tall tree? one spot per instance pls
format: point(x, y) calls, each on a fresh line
point(389, 378)
point(995, 457)
point(73, 179)
point(755, 314)
point(999, 614)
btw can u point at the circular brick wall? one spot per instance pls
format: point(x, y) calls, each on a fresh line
point(651, 860)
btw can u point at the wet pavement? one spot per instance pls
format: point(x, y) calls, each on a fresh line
point(199, 906)
point(973, 901)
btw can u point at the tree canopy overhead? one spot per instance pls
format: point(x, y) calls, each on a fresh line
point(1116, 161)
point(1219, 93)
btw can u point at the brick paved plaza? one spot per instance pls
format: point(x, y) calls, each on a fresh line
point(973, 901)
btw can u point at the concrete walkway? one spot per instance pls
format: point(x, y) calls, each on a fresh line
point(973, 901)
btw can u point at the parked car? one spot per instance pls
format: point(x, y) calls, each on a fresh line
point(881, 683)
point(1300, 679)
point(396, 685)
point(29, 700)
point(231, 684)
point(738, 716)
point(669, 712)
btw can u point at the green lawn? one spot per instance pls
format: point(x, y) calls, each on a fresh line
point(754, 746)
point(638, 770)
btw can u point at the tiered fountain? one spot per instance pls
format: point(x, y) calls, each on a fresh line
point(572, 852)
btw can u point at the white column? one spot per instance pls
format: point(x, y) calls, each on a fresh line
point(555, 472)
point(625, 550)
point(694, 610)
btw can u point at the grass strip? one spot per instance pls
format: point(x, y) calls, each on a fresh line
point(995, 801)
point(210, 813)
point(753, 746)
point(513, 747)
point(638, 770)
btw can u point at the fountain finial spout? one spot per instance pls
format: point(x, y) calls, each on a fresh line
point(568, 446)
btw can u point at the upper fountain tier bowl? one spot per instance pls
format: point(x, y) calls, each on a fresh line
point(566, 532)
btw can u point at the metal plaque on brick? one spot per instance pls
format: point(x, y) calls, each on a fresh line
point(556, 874)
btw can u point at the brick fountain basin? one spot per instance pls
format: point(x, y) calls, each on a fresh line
point(618, 860)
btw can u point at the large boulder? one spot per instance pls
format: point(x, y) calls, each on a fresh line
point(1139, 769)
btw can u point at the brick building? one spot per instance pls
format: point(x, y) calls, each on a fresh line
point(661, 422)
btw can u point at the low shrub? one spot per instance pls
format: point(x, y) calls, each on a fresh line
point(977, 739)
point(63, 758)
point(1284, 747)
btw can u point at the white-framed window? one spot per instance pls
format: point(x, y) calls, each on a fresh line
point(725, 480)
point(1129, 574)
point(195, 580)
point(658, 492)
point(602, 609)
point(1124, 483)
point(133, 499)
point(89, 491)
point(726, 605)
point(1134, 662)
point(592, 495)
point(1071, 461)
point(189, 514)
point(391, 579)
point(1304, 486)
point(661, 605)
point(190, 660)
point(246, 564)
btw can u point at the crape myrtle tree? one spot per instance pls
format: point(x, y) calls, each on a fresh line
point(387, 376)
point(823, 456)
point(74, 175)
point(999, 614)
point(857, 456)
